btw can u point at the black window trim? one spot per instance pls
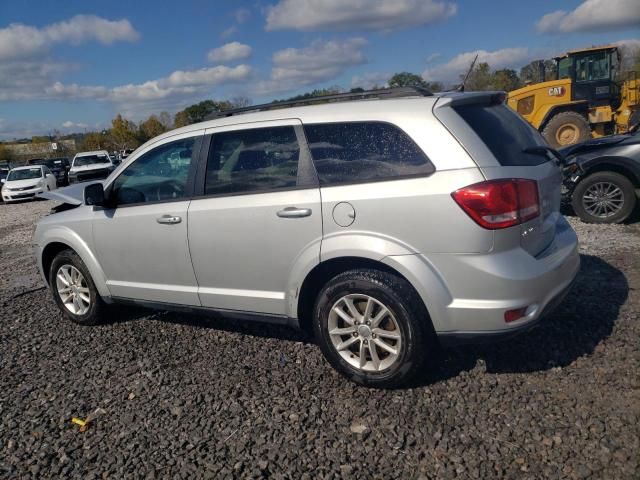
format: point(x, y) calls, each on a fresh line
point(189, 188)
point(306, 179)
point(372, 180)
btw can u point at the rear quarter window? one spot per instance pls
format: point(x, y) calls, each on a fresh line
point(504, 132)
point(364, 151)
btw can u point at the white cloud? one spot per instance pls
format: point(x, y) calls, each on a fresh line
point(319, 62)
point(371, 80)
point(433, 57)
point(242, 15)
point(140, 99)
point(334, 15)
point(18, 41)
point(593, 16)
point(229, 31)
point(230, 51)
point(69, 124)
point(459, 65)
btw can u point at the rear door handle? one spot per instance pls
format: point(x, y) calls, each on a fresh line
point(294, 212)
point(169, 219)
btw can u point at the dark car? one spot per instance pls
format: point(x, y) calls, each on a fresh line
point(4, 169)
point(602, 177)
point(58, 166)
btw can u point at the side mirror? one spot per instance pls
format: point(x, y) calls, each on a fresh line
point(94, 194)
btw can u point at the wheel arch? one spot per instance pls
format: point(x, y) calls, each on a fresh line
point(619, 165)
point(581, 108)
point(59, 239)
point(324, 271)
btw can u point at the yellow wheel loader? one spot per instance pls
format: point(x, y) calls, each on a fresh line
point(587, 99)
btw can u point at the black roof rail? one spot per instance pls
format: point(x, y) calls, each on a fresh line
point(398, 92)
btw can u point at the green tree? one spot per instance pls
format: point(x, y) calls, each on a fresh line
point(181, 119)
point(530, 73)
point(407, 79)
point(95, 141)
point(40, 139)
point(150, 128)
point(434, 86)
point(123, 133)
point(480, 78)
point(505, 79)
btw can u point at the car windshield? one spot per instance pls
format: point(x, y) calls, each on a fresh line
point(90, 160)
point(24, 174)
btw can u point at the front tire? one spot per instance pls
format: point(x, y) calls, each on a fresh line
point(74, 291)
point(373, 328)
point(604, 197)
point(566, 128)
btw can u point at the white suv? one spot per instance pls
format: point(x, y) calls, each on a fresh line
point(382, 225)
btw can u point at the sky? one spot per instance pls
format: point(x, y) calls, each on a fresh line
point(72, 66)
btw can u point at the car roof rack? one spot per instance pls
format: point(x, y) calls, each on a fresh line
point(398, 92)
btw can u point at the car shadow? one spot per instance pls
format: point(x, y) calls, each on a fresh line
point(584, 319)
point(574, 329)
point(209, 320)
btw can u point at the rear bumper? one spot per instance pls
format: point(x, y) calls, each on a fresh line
point(450, 339)
point(467, 295)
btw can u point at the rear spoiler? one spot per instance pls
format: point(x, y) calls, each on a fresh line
point(455, 99)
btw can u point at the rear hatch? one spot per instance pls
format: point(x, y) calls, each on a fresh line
point(501, 142)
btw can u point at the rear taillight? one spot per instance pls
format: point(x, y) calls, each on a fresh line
point(500, 203)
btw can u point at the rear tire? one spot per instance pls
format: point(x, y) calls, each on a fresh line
point(615, 193)
point(367, 345)
point(566, 128)
point(74, 291)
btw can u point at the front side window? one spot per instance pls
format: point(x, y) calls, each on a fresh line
point(253, 160)
point(158, 175)
point(363, 151)
point(25, 174)
point(564, 68)
point(592, 67)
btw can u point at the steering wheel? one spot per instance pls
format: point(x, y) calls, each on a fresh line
point(169, 189)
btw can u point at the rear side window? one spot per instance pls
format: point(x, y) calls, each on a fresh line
point(252, 160)
point(504, 132)
point(363, 151)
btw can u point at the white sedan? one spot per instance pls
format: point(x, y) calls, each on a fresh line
point(25, 182)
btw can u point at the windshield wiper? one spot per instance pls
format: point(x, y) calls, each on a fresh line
point(545, 151)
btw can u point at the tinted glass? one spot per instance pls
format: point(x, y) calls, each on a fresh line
point(91, 160)
point(592, 67)
point(363, 151)
point(504, 132)
point(158, 175)
point(564, 65)
point(259, 159)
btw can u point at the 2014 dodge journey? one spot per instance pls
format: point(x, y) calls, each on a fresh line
point(383, 225)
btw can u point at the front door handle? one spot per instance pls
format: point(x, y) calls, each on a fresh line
point(294, 212)
point(169, 219)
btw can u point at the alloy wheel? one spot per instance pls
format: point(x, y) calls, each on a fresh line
point(73, 289)
point(364, 332)
point(603, 199)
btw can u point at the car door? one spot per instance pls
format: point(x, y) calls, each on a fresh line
point(141, 240)
point(257, 222)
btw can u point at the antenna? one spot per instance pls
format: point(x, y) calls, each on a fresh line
point(466, 77)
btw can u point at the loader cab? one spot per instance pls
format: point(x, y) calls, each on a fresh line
point(593, 73)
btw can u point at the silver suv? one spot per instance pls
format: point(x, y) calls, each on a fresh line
point(384, 226)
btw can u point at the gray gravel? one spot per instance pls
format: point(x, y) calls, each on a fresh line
point(186, 397)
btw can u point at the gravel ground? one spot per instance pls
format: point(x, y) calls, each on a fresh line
point(186, 397)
